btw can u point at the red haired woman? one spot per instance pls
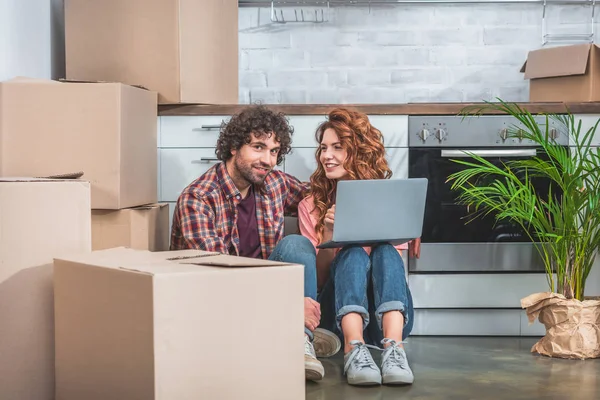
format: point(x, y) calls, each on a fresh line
point(364, 293)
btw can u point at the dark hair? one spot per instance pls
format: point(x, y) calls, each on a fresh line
point(255, 119)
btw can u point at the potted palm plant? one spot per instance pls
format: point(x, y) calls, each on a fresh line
point(564, 223)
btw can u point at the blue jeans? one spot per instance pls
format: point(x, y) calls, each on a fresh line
point(297, 249)
point(367, 285)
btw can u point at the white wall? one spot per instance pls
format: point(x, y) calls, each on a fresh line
point(31, 39)
point(397, 54)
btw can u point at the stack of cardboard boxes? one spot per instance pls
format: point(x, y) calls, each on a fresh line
point(91, 304)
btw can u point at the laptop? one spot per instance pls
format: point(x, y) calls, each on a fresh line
point(369, 212)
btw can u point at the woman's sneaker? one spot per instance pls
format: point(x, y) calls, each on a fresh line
point(394, 365)
point(326, 343)
point(313, 369)
point(359, 367)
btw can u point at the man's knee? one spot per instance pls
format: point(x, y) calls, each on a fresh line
point(297, 243)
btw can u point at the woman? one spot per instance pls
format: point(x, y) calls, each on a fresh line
point(363, 290)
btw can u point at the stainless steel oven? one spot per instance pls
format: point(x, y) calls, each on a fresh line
point(483, 245)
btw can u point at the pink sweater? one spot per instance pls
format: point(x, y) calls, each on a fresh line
point(307, 221)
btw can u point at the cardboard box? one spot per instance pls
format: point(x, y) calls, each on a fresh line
point(564, 74)
point(142, 228)
point(187, 50)
point(132, 324)
point(106, 130)
point(39, 220)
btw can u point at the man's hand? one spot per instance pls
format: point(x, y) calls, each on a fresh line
point(414, 248)
point(312, 313)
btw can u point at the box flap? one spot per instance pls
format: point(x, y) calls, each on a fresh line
point(166, 262)
point(14, 179)
point(26, 79)
point(149, 206)
point(85, 81)
point(224, 260)
point(557, 61)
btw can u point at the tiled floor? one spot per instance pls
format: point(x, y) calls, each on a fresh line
point(471, 368)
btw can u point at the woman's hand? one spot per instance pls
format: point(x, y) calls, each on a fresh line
point(329, 217)
point(414, 248)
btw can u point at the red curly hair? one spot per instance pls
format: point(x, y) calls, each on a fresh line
point(366, 158)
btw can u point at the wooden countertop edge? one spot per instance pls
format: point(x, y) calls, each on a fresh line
point(373, 109)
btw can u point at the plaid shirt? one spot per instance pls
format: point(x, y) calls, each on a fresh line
point(206, 213)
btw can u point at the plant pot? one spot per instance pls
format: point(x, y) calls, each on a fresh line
point(572, 326)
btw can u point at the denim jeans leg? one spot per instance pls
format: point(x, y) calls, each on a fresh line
point(390, 289)
point(350, 269)
point(297, 249)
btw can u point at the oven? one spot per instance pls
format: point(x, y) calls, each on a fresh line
point(449, 244)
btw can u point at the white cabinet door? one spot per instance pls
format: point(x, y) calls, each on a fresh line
point(393, 127)
point(305, 127)
point(587, 122)
point(301, 163)
point(190, 131)
point(474, 290)
point(467, 322)
point(179, 167)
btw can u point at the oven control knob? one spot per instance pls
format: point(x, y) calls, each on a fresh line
point(553, 133)
point(423, 134)
point(504, 134)
point(440, 134)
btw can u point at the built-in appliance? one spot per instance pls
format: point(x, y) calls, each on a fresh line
point(449, 244)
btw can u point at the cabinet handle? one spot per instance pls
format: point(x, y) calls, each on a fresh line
point(205, 160)
point(206, 127)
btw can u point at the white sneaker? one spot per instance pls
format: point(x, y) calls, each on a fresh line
point(359, 367)
point(313, 368)
point(394, 365)
point(326, 343)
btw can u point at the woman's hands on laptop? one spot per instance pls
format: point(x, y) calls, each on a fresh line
point(328, 224)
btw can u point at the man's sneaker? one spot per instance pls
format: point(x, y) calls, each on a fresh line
point(326, 343)
point(313, 368)
point(394, 365)
point(359, 367)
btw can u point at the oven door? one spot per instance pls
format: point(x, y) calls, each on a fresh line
point(449, 243)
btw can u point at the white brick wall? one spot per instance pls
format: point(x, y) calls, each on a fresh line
point(396, 54)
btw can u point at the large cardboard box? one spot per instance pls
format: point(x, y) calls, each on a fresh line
point(564, 73)
point(133, 324)
point(39, 220)
point(187, 50)
point(106, 130)
point(142, 228)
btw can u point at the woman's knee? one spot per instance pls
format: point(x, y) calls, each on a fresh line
point(354, 255)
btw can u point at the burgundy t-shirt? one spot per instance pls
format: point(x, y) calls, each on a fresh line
point(248, 227)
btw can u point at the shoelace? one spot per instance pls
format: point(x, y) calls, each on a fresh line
point(361, 357)
point(395, 356)
point(308, 347)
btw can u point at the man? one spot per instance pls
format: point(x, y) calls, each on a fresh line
point(238, 206)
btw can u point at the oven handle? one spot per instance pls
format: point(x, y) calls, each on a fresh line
point(490, 153)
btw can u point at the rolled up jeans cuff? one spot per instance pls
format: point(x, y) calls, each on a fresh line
point(352, 309)
point(309, 333)
point(390, 306)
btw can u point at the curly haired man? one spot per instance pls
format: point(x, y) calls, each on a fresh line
point(238, 206)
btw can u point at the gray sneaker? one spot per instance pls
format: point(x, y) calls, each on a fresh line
point(326, 343)
point(359, 367)
point(313, 369)
point(394, 365)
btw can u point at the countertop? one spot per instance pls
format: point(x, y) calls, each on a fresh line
point(374, 109)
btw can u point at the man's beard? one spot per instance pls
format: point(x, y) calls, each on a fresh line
point(246, 172)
